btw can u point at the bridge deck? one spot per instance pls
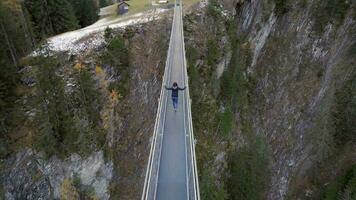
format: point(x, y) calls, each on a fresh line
point(171, 171)
point(172, 178)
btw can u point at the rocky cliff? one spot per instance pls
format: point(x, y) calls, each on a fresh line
point(96, 146)
point(298, 67)
point(276, 78)
point(273, 103)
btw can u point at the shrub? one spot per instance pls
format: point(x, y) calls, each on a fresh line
point(249, 171)
point(192, 55)
point(88, 98)
point(108, 33)
point(235, 84)
point(209, 189)
point(329, 11)
point(337, 9)
point(68, 191)
point(281, 7)
point(344, 112)
point(228, 82)
point(352, 51)
point(213, 53)
point(343, 187)
point(53, 120)
point(117, 56)
point(225, 121)
point(322, 133)
point(213, 9)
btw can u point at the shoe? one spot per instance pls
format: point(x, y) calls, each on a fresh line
point(175, 110)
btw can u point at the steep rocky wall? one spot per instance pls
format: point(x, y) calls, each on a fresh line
point(296, 69)
point(292, 70)
point(137, 113)
point(115, 170)
point(29, 176)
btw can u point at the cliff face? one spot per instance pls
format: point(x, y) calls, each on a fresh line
point(298, 70)
point(292, 64)
point(120, 77)
point(137, 113)
point(29, 176)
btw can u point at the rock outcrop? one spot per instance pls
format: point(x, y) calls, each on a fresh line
point(29, 176)
point(293, 68)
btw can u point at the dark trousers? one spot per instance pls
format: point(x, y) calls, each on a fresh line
point(175, 102)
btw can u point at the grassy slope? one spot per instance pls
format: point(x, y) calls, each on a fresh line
point(137, 6)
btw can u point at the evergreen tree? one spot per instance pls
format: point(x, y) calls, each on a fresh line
point(88, 98)
point(51, 17)
point(103, 3)
point(88, 106)
point(86, 11)
point(40, 16)
point(15, 29)
point(54, 120)
point(62, 16)
point(14, 44)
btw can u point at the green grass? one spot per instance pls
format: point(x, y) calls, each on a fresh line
point(188, 3)
point(137, 6)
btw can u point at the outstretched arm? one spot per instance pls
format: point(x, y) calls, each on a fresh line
point(181, 88)
point(167, 88)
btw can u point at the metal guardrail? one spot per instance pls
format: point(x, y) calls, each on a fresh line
point(193, 162)
point(152, 157)
point(152, 171)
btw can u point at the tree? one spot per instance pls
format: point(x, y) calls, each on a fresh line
point(51, 17)
point(14, 44)
point(249, 171)
point(62, 16)
point(88, 98)
point(40, 17)
point(88, 105)
point(103, 3)
point(54, 120)
point(86, 11)
point(117, 56)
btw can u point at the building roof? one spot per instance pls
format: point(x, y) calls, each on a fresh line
point(123, 2)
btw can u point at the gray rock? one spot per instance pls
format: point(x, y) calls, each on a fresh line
point(31, 177)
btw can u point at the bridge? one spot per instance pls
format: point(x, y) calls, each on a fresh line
point(172, 169)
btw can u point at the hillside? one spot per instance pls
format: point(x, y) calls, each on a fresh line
point(272, 83)
point(273, 86)
point(76, 100)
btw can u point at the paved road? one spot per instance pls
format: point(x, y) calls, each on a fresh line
point(172, 177)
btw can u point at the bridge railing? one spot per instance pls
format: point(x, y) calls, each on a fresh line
point(152, 171)
point(193, 179)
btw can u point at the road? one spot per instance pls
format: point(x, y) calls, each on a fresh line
point(171, 171)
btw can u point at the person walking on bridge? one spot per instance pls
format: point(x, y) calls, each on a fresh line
point(175, 88)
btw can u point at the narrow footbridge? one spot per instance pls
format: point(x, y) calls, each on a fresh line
point(172, 169)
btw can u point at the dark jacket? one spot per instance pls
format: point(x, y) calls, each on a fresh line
point(174, 91)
